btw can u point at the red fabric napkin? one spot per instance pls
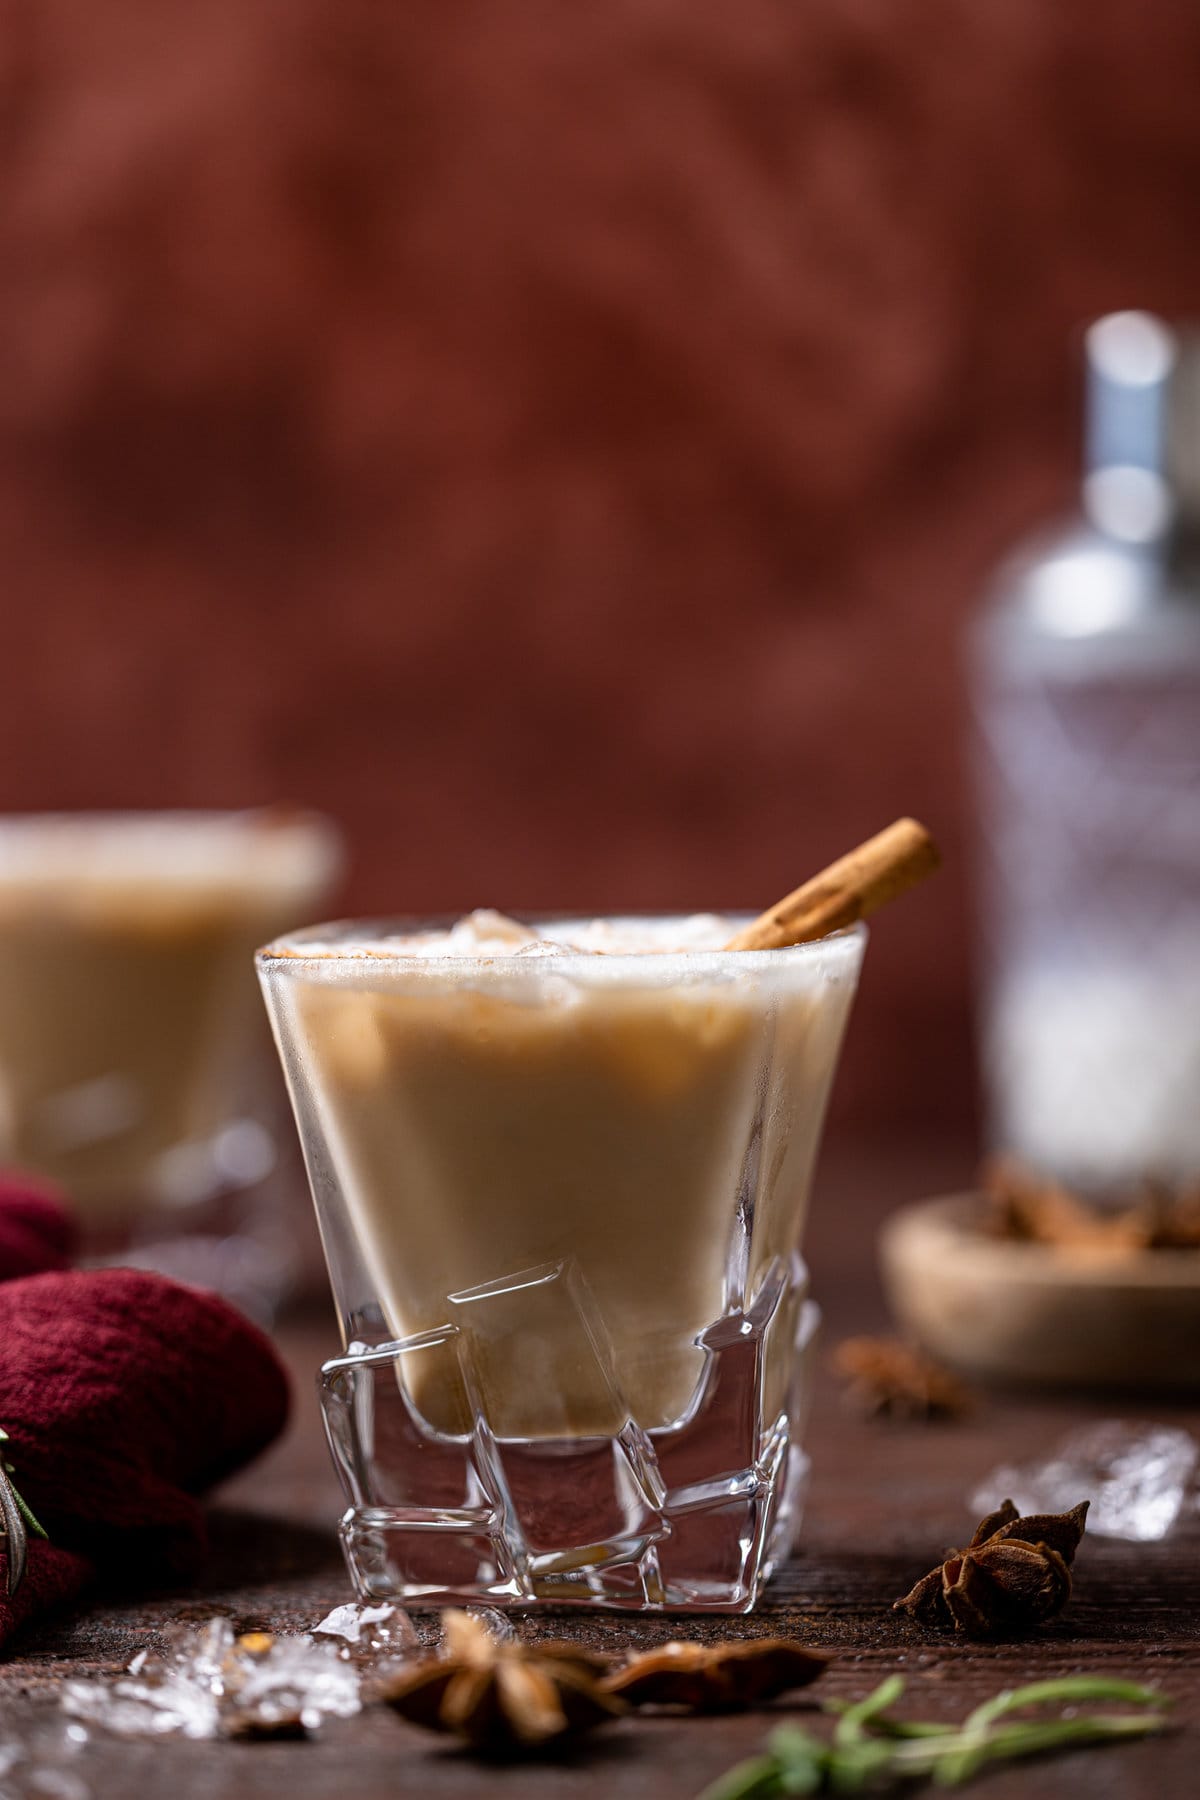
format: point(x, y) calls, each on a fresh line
point(36, 1230)
point(125, 1396)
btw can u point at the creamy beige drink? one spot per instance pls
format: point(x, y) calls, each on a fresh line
point(126, 1010)
point(578, 1145)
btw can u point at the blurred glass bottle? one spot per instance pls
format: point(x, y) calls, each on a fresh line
point(1085, 670)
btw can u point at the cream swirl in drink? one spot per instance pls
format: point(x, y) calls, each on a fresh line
point(619, 1098)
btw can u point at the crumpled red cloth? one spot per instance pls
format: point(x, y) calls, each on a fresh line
point(36, 1228)
point(125, 1396)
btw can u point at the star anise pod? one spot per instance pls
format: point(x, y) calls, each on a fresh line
point(888, 1376)
point(710, 1678)
point(1013, 1574)
point(503, 1697)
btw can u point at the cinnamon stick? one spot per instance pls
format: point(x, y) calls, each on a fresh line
point(878, 871)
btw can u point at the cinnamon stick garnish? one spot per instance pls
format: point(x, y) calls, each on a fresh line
point(878, 871)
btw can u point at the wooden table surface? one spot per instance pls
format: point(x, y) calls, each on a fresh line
point(886, 1501)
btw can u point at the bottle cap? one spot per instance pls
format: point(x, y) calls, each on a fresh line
point(1131, 362)
point(1143, 428)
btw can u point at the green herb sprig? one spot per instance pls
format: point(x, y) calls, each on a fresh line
point(870, 1749)
point(15, 1519)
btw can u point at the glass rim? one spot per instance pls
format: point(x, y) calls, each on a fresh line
point(268, 819)
point(181, 848)
point(289, 952)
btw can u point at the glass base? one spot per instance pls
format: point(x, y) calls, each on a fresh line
point(692, 1517)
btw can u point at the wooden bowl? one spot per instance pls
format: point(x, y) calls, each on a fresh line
point(1042, 1313)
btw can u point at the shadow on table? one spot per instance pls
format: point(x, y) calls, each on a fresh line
point(248, 1548)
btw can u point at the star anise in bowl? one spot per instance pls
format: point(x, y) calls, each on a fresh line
point(503, 1697)
point(1014, 1574)
point(1025, 1207)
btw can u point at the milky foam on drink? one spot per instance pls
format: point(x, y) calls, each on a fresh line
point(485, 934)
point(636, 937)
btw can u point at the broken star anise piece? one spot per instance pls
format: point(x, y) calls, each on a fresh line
point(888, 1376)
point(503, 1697)
point(1013, 1574)
point(716, 1677)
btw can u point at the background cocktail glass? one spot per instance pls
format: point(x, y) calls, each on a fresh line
point(131, 1052)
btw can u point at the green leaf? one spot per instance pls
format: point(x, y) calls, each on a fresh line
point(854, 1767)
point(890, 1728)
point(756, 1779)
point(1064, 1689)
point(800, 1758)
point(961, 1763)
point(849, 1728)
point(975, 1745)
point(871, 1750)
point(27, 1514)
point(16, 1519)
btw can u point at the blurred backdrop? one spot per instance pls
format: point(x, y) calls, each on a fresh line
point(563, 443)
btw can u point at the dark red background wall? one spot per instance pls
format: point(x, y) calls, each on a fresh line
point(562, 441)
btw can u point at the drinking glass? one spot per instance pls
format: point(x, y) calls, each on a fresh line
point(561, 1197)
point(132, 1065)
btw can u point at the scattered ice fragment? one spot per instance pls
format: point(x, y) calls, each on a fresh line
point(370, 1634)
point(484, 933)
point(201, 1654)
point(36, 1757)
point(641, 936)
point(1136, 1476)
point(143, 1709)
point(208, 1683)
point(294, 1680)
point(173, 1693)
point(498, 1623)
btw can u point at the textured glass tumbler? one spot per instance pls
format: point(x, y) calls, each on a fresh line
point(561, 1198)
